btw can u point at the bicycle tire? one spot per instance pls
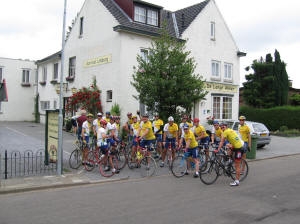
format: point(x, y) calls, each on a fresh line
point(90, 161)
point(102, 166)
point(122, 158)
point(75, 159)
point(148, 166)
point(131, 162)
point(203, 160)
point(179, 166)
point(244, 173)
point(211, 174)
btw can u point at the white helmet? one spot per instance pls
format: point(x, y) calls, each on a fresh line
point(171, 118)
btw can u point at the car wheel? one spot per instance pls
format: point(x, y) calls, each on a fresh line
point(260, 146)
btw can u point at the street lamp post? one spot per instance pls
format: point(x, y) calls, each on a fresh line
point(60, 116)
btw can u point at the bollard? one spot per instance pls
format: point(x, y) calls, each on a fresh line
point(5, 165)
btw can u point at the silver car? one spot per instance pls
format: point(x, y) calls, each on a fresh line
point(256, 128)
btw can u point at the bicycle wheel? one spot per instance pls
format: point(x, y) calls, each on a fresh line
point(147, 166)
point(211, 174)
point(244, 168)
point(105, 169)
point(179, 166)
point(203, 159)
point(75, 159)
point(90, 161)
point(131, 161)
point(122, 158)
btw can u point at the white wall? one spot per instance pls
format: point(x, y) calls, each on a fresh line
point(20, 105)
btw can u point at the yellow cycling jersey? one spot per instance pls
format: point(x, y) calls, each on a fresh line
point(135, 128)
point(171, 131)
point(198, 131)
point(244, 131)
point(233, 138)
point(190, 136)
point(147, 126)
point(218, 132)
point(156, 125)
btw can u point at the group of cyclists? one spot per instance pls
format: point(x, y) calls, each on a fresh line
point(189, 134)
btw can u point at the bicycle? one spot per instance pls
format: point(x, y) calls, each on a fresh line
point(143, 160)
point(95, 157)
point(75, 159)
point(121, 154)
point(181, 164)
point(222, 163)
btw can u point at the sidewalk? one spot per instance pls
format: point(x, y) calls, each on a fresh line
point(279, 147)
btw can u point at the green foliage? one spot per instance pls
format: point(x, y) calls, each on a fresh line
point(115, 110)
point(295, 99)
point(275, 117)
point(268, 86)
point(165, 80)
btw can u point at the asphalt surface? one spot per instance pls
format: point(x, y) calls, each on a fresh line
point(30, 136)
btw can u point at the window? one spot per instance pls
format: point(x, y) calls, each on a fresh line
point(25, 76)
point(227, 71)
point(72, 66)
point(55, 105)
point(81, 27)
point(140, 14)
point(144, 54)
point(152, 17)
point(109, 96)
point(215, 69)
point(212, 31)
point(55, 71)
point(45, 105)
point(44, 75)
point(146, 15)
point(222, 107)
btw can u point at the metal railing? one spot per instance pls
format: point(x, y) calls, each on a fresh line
point(27, 163)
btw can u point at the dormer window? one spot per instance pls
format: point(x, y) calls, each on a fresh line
point(146, 15)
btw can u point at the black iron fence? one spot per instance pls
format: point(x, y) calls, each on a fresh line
point(27, 163)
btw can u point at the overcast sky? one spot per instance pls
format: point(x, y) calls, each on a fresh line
point(32, 29)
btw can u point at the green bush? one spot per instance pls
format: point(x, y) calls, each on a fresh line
point(275, 117)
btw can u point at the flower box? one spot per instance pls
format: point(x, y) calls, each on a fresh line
point(70, 78)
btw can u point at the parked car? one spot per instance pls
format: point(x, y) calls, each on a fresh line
point(256, 128)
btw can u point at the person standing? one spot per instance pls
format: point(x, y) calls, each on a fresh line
point(82, 118)
point(158, 128)
point(244, 131)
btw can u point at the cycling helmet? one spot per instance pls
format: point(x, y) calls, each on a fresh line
point(107, 112)
point(196, 120)
point(215, 122)
point(134, 116)
point(155, 114)
point(129, 114)
point(112, 118)
point(242, 118)
point(103, 122)
point(90, 115)
point(185, 126)
point(171, 118)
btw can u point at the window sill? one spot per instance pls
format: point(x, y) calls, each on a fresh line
point(215, 79)
point(228, 80)
point(70, 78)
point(42, 83)
point(25, 84)
point(54, 81)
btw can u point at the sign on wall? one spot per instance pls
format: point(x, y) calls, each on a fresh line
point(51, 143)
point(211, 86)
point(97, 61)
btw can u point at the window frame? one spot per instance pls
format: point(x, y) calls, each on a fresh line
point(222, 107)
point(146, 15)
point(228, 68)
point(212, 30)
point(44, 74)
point(72, 67)
point(25, 76)
point(81, 26)
point(215, 70)
point(45, 105)
point(109, 95)
point(55, 71)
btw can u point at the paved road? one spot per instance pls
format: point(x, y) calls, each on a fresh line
point(269, 195)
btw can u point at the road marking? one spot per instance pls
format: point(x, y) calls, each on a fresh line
point(16, 131)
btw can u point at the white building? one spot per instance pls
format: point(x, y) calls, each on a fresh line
point(20, 76)
point(106, 37)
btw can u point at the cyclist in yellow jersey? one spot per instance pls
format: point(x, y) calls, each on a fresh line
point(86, 134)
point(146, 133)
point(170, 138)
point(191, 147)
point(127, 125)
point(200, 133)
point(184, 120)
point(217, 132)
point(158, 128)
point(244, 131)
point(134, 131)
point(237, 144)
point(107, 116)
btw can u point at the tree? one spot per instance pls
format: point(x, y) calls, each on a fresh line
point(165, 80)
point(85, 98)
point(268, 85)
